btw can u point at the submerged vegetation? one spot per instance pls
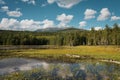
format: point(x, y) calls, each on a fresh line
point(67, 71)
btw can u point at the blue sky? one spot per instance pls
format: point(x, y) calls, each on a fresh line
point(38, 14)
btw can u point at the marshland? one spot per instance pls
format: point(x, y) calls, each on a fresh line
point(59, 40)
point(59, 62)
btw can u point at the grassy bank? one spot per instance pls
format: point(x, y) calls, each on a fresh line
point(66, 53)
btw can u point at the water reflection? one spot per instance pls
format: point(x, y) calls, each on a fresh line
point(57, 71)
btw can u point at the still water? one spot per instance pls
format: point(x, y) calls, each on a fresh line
point(41, 70)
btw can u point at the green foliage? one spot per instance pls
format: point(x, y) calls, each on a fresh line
point(107, 36)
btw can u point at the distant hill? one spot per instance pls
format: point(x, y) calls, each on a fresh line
point(59, 29)
point(67, 29)
point(55, 29)
point(71, 30)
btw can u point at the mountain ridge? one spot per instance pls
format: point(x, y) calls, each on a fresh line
point(59, 29)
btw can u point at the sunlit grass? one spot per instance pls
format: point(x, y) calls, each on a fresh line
point(98, 52)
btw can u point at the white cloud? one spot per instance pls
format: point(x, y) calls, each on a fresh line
point(9, 24)
point(98, 28)
point(114, 18)
point(2, 2)
point(50, 1)
point(29, 1)
point(5, 8)
point(31, 25)
point(65, 3)
point(64, 19)
point(47, 23)
point(14, 13)
point(89, 14)
point(104, 14)
point(83, 23)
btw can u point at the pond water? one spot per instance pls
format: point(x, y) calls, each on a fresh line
point(39, 70)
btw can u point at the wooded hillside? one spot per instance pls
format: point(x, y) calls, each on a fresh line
point(107, 36)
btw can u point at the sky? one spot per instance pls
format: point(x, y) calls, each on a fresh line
point(40, 14)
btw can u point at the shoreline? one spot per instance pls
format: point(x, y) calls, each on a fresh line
point(111, 61)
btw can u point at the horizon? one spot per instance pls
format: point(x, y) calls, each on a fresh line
point(30, 15)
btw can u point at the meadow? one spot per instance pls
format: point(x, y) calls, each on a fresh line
point(66, 53)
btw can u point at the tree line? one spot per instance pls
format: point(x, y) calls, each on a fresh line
point(106, 36)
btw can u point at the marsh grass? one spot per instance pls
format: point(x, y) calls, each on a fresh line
point(59, 53)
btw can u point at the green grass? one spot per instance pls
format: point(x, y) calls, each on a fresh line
point(85, 53)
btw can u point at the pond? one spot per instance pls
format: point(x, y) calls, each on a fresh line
point(42, 70)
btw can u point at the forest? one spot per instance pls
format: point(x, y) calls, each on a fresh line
point(107, 36)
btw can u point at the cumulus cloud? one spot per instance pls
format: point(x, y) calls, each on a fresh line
point(89, 14)
point(65, 3)
point(64, 19)
point(50, 1)
point(7, 24)
point(5, 8)
point(47, 23)
point(98, 28)
point(31, 25)
point(15, 13)
point(83, 23)
point(29, 1)
point(114, 18)
point(104, 14)
point(2, 2)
